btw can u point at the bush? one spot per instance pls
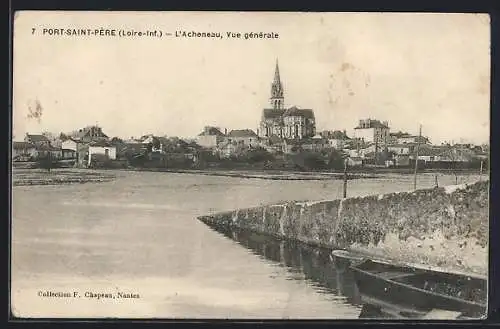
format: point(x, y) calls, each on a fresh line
point(47, 162)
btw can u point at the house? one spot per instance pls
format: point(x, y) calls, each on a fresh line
point(37, 140)
point(309, 144)
point(401, 160)
point(245, 136)
point(23, 151)
point(374, 131)
point(70, 144)
point(354, 161)
point(89, 134)
point(210, 137)
point(412, 139)
point(75, 149)
point(102, 148)
point(68, 154)
point(369, 150)
point(157, 143)
point(44, 150)
point(337, 139)
point(394, 136)
point(401, 149)
point(228, 148)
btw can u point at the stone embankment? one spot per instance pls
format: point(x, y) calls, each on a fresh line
point(444, 227)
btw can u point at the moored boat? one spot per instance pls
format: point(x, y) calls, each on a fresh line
point(413, 293)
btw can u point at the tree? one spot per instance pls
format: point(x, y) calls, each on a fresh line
point(336, 159)
point(383, 156)
point(46, 161)
point(116, 140)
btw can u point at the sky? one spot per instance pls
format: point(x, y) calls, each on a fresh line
point(404, 68)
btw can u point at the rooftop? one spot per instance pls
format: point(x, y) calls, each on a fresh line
point(22, 145)
point(37, 138)
point(242, 133)
point(295, 111)
point(100, 144)
point(211, 131)
point(371, 123)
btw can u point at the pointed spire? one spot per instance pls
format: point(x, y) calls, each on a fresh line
point(277, 79)
point(277, 89)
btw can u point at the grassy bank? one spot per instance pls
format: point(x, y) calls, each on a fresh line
point(23, 177)
point(262, 174)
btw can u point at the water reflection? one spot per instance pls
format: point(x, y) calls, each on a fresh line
point(312, 264)
point(317, 266)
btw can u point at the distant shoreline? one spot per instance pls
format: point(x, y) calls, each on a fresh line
point(34, 177)
point(260, 174)
point(62, 176)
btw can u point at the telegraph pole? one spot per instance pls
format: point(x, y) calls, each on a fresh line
point(345, 178)
point(416, 158)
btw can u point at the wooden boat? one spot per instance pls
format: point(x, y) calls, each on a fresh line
point(345, 258)
point(407, 292)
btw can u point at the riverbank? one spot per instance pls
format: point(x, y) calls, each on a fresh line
point(275, 174)
point(24, 177)
point(261, 174)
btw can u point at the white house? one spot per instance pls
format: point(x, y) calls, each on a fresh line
point(372, 131)
point(103, 148)
point(401, 149)
point(69, 144)
point(354, 161)
point(210, 137)
point(246, 137)
point(23, 150)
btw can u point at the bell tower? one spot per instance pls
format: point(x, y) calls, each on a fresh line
point(277, 99)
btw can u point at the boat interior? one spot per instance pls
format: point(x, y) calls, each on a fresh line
point(466, 288)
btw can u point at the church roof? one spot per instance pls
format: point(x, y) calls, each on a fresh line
point(272, 113)
point(294, 111)
point(242, 133)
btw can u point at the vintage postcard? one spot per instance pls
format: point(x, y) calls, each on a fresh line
point(250, 165)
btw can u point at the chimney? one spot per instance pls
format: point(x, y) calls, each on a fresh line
point(225, 131)
point(206, 129)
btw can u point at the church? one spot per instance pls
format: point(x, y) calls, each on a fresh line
point(289, 123)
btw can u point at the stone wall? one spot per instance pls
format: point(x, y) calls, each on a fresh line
point(443, 227)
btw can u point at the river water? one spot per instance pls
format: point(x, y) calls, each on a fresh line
point(139, 235)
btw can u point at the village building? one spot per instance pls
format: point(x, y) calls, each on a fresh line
point(89, 134)
point(354, 161)
point(292, 123)
point(44, 150)
point(401, 149)
point(210, 137)
point(373, 131)
point(101, 148)
point(227, 149)
point(23, 151)
point(37, 140)
point(337, 139)
point(246, 137)
point(42, 147)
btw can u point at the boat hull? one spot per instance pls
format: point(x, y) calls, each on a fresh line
point(409, 300)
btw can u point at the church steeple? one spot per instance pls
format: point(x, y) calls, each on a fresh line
point(277, 98)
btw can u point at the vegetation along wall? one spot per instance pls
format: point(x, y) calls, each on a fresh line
point(443, 227)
